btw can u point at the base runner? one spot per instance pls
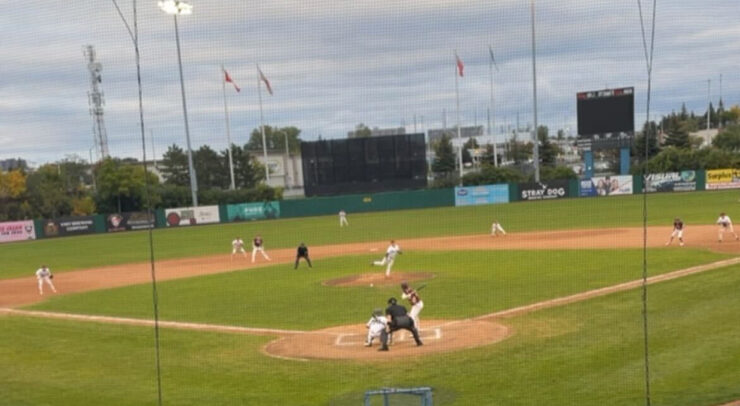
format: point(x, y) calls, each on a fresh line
point(677, 232)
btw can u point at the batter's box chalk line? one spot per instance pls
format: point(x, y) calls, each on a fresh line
point(353, 339)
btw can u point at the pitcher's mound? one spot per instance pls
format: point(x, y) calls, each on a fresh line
point(379, 279)
point(347, 342)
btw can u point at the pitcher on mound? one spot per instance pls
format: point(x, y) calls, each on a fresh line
point(389, 258)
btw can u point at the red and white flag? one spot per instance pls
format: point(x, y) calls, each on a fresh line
point(227, 78)
point(460, 65)
point(264, 79)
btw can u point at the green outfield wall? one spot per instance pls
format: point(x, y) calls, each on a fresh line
point(415, 199)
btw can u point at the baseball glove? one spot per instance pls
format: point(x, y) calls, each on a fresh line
point(51, 276)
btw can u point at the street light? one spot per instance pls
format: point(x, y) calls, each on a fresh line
point(175, 8)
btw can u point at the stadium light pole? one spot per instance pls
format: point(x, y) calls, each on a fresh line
point(176, 8)
point(535, 149)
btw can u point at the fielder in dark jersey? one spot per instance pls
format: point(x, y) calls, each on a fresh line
point(677, 232)
point(398, 320)
point(302, 252)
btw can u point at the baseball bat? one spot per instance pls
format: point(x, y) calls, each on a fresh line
point(420, 287)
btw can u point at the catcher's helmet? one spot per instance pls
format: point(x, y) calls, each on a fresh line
point(377, 312)
point(392, 301)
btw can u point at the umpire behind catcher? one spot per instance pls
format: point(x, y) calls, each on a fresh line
point(398, 320)
point(302, 252)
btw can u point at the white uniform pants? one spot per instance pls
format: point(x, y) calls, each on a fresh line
point(261, 250)
point(414, 313)
point(343, 221)
point(240, 249)
point(729, 229)
point(496, 229)
point(385, 261)
point(48, 282)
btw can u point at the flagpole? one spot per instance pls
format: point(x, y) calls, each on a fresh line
point(262, 126)
point(492, 117)
point(459, 137)
point(536, 148)
point(228, 128)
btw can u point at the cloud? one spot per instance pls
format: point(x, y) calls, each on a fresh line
point(336, 64)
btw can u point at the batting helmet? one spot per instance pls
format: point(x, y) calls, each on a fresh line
point(404, 285)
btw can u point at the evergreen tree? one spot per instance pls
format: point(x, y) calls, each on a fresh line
point(444, 156)
point(175, 166)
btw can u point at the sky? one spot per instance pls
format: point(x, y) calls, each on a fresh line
point(335, 64)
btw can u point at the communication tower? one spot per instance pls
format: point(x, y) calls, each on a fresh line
point(96, 101)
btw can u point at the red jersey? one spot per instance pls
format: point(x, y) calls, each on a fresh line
point(257, 242)
point(678, 225)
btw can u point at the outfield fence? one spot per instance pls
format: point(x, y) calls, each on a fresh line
point(598, 186)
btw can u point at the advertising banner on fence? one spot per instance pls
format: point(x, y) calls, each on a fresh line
point(253, 211)
point(607, 186)
point(484, 194)
point(17, 231)
point(189, 216)
point(139, 220)
point(723, 179)
point(554, 189)
point(683, 181)
point(69, 226)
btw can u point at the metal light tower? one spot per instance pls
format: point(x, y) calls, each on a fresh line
point(176, 8)
point(96, 100)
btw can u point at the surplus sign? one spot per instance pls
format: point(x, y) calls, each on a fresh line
point(544, 191)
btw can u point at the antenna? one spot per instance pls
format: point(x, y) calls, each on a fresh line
point(96, 101)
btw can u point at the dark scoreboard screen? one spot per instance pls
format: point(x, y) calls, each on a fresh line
point(606, 111)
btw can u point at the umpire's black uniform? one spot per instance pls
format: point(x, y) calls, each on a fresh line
point(302, 252)
point(399, 320)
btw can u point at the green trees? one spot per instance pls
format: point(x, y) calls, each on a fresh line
point(121, 187)
point(444, 157)
point(275, 139)
point(729, 139)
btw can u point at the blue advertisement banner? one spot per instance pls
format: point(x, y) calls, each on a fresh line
point(485, 194)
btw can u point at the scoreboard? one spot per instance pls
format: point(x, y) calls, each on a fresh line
point(606, 118)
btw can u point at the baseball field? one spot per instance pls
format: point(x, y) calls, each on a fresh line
point(550, 314)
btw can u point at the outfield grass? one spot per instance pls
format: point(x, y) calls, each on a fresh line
point(467, 283)
point(588, 353)
point(22, 259)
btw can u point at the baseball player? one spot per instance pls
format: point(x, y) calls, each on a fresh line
point(677, 232)
point(259, 246)
point(496, 229)
point(43, 274)
point(416, 303)
point(237, 246)
point(375, 326)
point(389, 258)
point(725, 224)
point(343, 218)
point(397, 320)
point(302, 252)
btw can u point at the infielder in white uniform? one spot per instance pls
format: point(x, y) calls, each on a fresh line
point(237, 246)
point(497, 229)
point(43, 274)
point(375, 326)
point(725, 224)
point(259, 246)
point(343, 218)
point(389, 258)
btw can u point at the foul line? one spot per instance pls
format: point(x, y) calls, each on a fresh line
point(283, 332)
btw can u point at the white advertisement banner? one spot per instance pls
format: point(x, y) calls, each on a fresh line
point(17, 231)
point(190, 216)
